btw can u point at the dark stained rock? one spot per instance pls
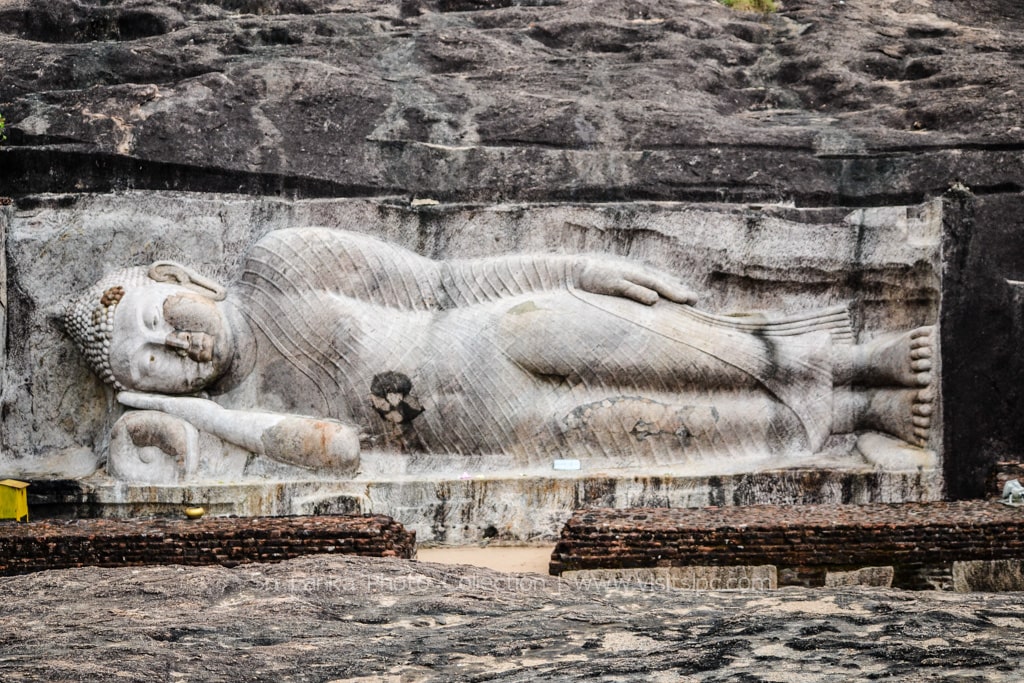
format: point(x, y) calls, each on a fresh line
point(824, 102)
point(329, 618)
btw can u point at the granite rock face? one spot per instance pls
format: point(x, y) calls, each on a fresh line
point(659, 99)
point(824, 103)
point(330, 618)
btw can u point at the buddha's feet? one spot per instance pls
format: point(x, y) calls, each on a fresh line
point(903, 413)
point(897, 360)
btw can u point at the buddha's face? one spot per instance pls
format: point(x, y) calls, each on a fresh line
point(168, 339)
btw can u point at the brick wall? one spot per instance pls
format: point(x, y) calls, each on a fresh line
point(227, 541)
point(917, 539)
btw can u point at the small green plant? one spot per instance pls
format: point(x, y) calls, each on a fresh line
point(3, 124)
point(763, 6)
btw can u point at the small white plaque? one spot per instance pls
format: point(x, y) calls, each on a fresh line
point(566, 464)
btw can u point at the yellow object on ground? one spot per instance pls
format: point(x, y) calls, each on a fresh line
point(13, 500)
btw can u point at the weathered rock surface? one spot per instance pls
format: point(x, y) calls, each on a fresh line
point(668, 99)
point(865, 576)
point(330, 618)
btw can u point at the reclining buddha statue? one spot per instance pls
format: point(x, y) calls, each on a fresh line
point(333, 343)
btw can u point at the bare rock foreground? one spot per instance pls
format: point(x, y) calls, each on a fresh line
point(343, 618)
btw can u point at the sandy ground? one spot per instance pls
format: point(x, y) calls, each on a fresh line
point(500, 558)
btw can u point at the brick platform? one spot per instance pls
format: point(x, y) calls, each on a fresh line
point(804, 542)
point(227, 541)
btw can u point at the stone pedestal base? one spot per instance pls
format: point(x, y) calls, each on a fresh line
point(466, 510)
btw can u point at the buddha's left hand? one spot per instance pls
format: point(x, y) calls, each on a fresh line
point(620, 278)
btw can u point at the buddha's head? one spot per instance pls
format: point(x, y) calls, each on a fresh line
point(159, 329)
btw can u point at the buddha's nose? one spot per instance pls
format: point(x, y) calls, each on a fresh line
point(197, 345)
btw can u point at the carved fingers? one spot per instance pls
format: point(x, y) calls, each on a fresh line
point(632, 282)
point(186, 407)
point(312, 443)
point(137, 399)
point(664, 285)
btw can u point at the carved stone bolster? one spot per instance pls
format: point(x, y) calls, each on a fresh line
point(313, 443)
point(148, 445)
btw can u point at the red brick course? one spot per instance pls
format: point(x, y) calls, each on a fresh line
point(228, 541)
point(808, 539)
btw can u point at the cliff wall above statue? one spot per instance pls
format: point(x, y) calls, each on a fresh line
point(823, 102)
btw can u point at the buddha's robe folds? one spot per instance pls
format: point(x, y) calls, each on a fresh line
point(508, 355)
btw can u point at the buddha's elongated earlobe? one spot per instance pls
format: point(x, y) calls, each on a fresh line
point(172, 271)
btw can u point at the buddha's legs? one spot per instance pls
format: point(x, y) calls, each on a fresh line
point(615, 345)
point(604, 341)
point(601, 341)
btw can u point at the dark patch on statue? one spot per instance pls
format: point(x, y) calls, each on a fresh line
point(391, 396)
point(644, 429)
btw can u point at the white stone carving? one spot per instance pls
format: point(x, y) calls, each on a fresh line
point(333, 343)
